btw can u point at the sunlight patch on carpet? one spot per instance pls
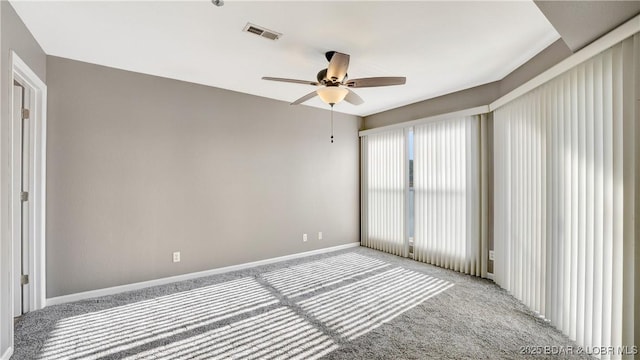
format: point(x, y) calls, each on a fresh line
point(356, 309)
point(106, 332)
point(276, 334)
point(312, 276)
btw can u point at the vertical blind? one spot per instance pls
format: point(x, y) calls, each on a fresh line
point(384, 191)
point(559, 198)
point(446, 186)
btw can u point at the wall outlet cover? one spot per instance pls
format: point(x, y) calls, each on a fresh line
point(176, 256)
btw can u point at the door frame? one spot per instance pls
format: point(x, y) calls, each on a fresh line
point(37, 189)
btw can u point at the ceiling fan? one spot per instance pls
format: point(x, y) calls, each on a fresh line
point(333, 84)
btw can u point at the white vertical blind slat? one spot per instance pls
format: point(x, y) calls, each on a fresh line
point(590, 204)
point(618, 194)
point(608, 199)
point(599, 203)
point(573, 130)
point(581, 224)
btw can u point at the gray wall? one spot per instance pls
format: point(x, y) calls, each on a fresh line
point(581, 22)
point(13, 36)
point(538, 64)
point(460, 100)
point(141, 166)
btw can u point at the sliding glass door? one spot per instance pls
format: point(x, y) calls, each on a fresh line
point(563, 177)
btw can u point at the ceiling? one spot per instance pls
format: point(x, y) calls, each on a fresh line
point(441, 47)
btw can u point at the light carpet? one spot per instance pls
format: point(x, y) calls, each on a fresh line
point(353, 304)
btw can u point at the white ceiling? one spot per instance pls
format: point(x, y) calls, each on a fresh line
point(440, 47)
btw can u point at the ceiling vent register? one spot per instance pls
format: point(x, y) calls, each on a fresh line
point(261, 31)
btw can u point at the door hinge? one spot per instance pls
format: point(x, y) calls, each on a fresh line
point(24, 196)
point(24, 279)
point(25, 114)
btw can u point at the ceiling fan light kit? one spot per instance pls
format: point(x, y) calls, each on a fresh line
point(332, 95)
point(333, 86)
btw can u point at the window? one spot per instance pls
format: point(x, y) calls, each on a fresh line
point(421, 193)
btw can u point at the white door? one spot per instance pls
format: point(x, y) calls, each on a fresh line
point(22, 180)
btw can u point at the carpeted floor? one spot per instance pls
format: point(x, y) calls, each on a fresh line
point(353, 304)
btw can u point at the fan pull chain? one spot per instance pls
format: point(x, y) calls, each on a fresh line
point(332, 123)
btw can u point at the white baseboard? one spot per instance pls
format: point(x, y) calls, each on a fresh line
point(145, 284)
point(7, 354)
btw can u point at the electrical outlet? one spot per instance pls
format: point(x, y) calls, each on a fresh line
point(176, 256)
point(304, 237)
point(491, 256)
point(319, 235)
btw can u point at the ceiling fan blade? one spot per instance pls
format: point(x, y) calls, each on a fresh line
point(376, 81)
point(337, 69)
point(353, 98)
point(304, 82)
point(305, 98)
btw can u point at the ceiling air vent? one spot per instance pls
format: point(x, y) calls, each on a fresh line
point(261, 31)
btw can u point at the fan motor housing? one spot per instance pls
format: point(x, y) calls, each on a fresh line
point(322, 78)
